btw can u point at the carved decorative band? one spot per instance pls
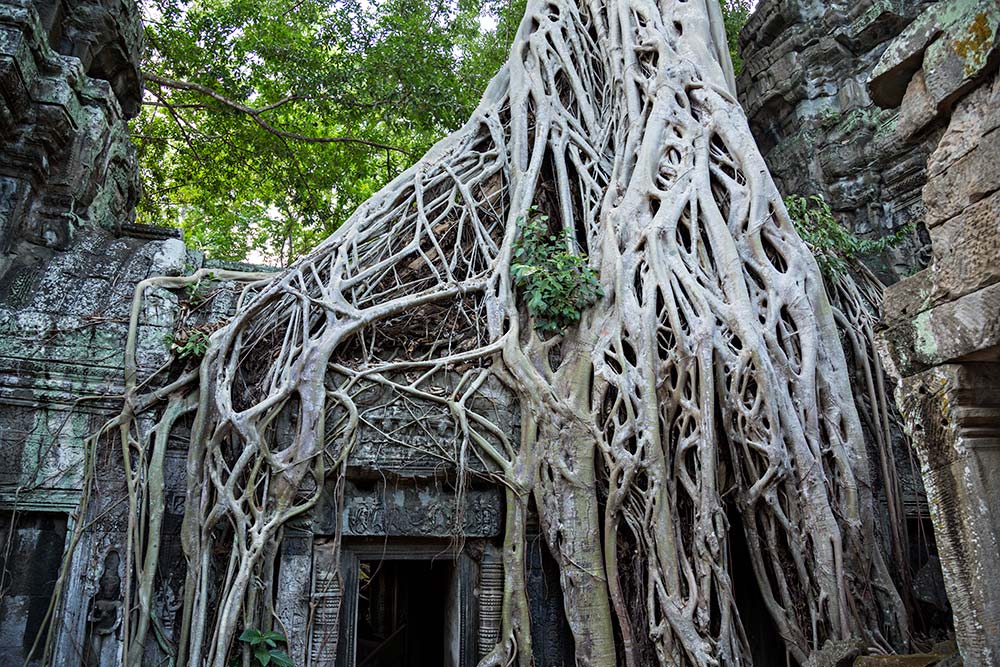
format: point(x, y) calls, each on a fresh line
point(326, 620)
point(490, 605)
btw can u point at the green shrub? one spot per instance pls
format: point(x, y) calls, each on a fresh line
point(264, 648)
point(556, 284)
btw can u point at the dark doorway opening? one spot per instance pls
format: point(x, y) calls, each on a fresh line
point(766, 644)
point(402, 613)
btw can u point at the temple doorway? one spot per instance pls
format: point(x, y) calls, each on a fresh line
point(396, 603)
point(403, 613)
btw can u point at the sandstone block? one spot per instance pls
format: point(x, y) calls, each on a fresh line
point(967, 250)
point(966, 326)
point(974, 176)
point(917, 110)
point(954, 42)
point(907, 298)
point(976, 116)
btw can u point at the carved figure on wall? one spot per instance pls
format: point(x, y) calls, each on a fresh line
point(104, 618)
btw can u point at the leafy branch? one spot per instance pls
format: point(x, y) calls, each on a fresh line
point(834, 246)
point(255, 114)
point(558, 285)
point(188, 344)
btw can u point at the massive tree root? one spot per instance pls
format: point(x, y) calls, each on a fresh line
point(708, 382)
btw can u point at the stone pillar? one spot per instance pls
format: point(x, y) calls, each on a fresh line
point(953, 415)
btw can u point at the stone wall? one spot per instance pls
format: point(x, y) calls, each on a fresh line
point(69, 79)
point(804, 91)
point(941, 335)
point(70, 259)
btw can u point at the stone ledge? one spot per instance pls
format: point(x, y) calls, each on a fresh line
point(944, 333)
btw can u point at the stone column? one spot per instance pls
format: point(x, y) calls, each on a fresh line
point(953, 416)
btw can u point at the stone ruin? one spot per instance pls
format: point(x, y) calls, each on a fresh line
point(941, 335)
point(897, 126)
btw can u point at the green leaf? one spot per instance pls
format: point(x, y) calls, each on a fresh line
point(280, 658)
point(251, 636)
point(262, 655)
point(273, 638)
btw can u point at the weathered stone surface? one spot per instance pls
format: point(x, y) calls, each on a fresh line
point(907, 298)
point(953, 42)
point(953, 414)
point(66, 159)
point(966, 249)
point(952, 330)
point(410, 511)
point(917, 110)
point(971, 178)
point(974, 117)
point(803, 88)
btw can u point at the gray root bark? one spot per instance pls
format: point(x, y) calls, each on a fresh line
point(709, 376)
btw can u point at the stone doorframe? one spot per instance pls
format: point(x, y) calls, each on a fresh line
point(326, 590)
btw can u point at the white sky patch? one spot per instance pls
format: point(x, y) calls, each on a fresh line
point(487, 22)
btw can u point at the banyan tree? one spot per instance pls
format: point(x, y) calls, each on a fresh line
point(601, 239)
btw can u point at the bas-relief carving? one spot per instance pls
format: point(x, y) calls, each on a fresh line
point(412, 511)
point(324, 633)
point(104, 619)
point(295, 604)
point(415, 436)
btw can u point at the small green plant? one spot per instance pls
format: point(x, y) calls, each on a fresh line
point(197, 292)
point(264, 647)
point(557, 284)
point(829, 117)
point(833, 245)
point(190, 343)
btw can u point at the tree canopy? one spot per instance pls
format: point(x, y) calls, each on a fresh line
point(267, 122)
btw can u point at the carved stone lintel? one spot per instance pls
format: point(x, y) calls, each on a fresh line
point(412, 512)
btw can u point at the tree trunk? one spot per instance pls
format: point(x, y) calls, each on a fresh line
point(709, 371)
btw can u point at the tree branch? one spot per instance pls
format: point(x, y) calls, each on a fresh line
point(254, 114)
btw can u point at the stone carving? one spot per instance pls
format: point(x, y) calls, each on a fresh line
point(418, 437)
point(490, 602)
point(325, 632)
point(104, 618)
point(412, 511)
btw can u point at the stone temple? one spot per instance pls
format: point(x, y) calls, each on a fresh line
point(894, 126)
